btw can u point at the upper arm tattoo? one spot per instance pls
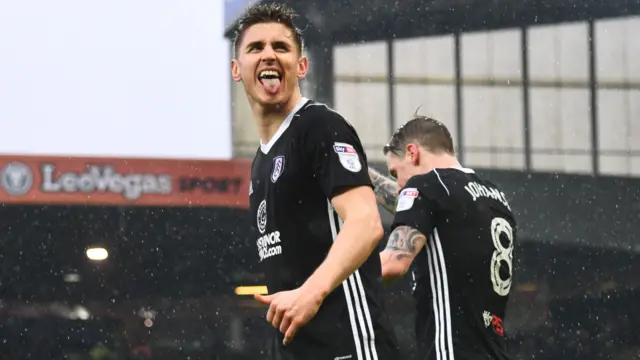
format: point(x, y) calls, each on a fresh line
point(386, 191)
point(405, 242)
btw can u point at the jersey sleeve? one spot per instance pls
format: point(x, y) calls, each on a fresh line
point(417, 205)
point(335, 153)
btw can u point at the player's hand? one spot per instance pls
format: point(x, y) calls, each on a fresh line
point(290, 310)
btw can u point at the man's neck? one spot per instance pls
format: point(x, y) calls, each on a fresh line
point(443, 162)
point(269, 119)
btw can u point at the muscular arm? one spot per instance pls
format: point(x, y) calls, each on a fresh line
point(404, 244)
point(385, 189)
point(357, 239)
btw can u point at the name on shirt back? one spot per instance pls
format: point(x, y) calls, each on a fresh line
point(478, 190)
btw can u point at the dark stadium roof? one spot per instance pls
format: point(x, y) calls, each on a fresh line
point(370, 20)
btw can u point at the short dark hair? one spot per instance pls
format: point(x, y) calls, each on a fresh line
point(429, 133)
point(267, 13)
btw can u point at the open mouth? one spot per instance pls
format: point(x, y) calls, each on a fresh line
point(270, 79)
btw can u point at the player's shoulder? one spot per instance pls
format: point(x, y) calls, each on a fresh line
point(431, 182)
point(455, 175)
point(315, 115)
point(455, 179)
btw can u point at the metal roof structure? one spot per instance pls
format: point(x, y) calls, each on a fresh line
point(342, 22)
point(371, 20)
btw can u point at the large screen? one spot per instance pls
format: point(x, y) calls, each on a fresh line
point(143, 78)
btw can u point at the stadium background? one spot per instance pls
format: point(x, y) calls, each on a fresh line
point(541, 97)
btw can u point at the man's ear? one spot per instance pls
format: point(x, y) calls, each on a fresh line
point(303, 67)
point(414, 153)
point(235, 71)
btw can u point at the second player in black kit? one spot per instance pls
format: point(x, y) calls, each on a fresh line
point(314, 155)
point(456, 232)
point(463, 275)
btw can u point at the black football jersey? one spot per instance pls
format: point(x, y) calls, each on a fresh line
point(315, 155)
point(462, 276)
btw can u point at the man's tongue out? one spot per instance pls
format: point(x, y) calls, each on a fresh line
point(272, 85)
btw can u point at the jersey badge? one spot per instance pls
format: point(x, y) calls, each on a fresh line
point(278, 168)
point(406, 199)
point(262, 216)
point(495, 320)
point(348, 156)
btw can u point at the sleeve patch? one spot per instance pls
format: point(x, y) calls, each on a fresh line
point(348, 156)
point(406, 199)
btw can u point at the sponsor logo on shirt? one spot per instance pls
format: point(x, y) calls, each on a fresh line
point(262, 216)
point(268, 244)
point(348, 156)
point(406, 199)
point(494, 321)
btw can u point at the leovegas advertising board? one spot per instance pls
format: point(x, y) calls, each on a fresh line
point(124, 182)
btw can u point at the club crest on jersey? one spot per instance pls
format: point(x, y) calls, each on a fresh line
point(278, 168)
point(406, 198)
point(348, 156)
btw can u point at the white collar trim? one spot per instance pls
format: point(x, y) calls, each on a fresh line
point(265, 148)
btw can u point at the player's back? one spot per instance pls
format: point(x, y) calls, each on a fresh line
point(463, 276)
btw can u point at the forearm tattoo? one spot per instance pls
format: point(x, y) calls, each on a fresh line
point(386, 191)
point(405, 241)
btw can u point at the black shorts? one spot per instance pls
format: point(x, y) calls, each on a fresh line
point(346, 327)
point(336, 345)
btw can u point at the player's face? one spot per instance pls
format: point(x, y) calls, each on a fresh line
point(269, 64)
point(401, 168)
